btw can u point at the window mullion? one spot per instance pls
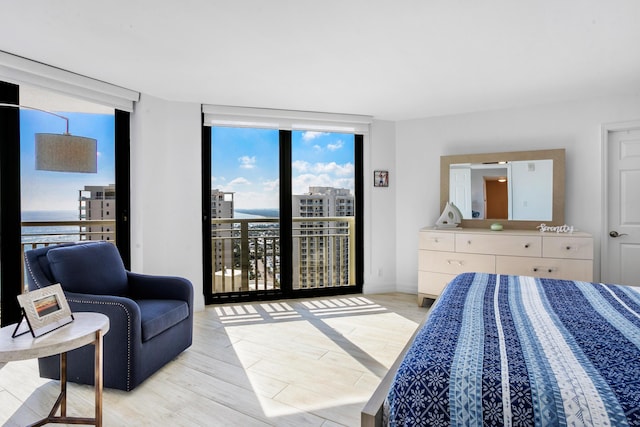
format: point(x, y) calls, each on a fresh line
point(286, 239)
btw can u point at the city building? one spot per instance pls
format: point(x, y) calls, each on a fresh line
point(221, 244)
point(318, 263)
point(96, 203)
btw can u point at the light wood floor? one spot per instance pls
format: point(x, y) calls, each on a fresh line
point(304, 362)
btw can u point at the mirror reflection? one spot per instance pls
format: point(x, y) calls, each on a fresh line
point(512, 190)
point(518, 189)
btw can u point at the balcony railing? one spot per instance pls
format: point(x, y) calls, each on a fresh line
point(246, 253)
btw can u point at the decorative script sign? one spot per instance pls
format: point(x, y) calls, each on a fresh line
point(557, 228)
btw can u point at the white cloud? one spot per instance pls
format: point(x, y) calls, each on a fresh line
point(271, 185)
point(247, 162)
point(334, 168)
point(333, 147)
point(300, 166)
point(311, 135)
point(239, 181)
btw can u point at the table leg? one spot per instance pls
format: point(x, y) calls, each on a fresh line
point(63, 384)
point(61, 402)
point(98, 378)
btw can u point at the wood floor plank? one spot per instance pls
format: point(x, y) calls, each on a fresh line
point(304, 362)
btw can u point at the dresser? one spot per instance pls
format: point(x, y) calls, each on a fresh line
point(443, 254)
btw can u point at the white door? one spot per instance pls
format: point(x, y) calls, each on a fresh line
point(460, 190)
point(621, 239)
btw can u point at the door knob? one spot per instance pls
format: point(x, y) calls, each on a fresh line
point(616, 234)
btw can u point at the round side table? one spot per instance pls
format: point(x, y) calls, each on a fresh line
point(86, 328)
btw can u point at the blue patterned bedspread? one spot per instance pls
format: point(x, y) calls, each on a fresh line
point(502, 350)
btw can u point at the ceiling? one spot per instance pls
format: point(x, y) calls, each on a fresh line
point(392, 59)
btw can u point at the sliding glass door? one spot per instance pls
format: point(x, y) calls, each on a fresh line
point(244, 201)
point(323, 209)
point(279, 213)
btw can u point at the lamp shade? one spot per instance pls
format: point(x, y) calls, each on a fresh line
point(66, 153)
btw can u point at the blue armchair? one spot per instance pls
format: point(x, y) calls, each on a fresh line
point(151, 317)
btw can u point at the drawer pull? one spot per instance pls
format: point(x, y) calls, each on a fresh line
point(568, 248)
point(549, 269)
point(526, 245)
point(453, 261)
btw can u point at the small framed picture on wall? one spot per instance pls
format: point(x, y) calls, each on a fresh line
point(380, 178)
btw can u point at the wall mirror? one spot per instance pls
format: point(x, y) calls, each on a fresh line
point(519, 189)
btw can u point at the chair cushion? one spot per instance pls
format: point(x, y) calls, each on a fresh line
point(94, 268)
point(160, 315)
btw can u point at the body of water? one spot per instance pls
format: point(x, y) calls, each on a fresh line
point(256, 213)
point(50, 215)
point(50, 233)
point(69, 233)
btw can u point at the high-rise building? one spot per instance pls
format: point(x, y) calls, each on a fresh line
point(321, 248)
point(222, 244)
point(97, 202)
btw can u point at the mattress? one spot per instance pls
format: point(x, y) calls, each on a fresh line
point(523, 351)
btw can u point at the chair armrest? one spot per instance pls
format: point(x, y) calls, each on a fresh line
point(144, 286)
point(123, 313)
point(105, 304)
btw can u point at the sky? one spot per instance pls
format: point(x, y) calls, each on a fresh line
point(44, 190)
point(245, 161)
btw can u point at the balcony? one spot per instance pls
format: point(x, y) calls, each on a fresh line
point(246, 253)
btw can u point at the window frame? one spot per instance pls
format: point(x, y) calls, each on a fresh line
point(285, 208)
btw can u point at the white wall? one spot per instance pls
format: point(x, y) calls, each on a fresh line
point(165, 193)
point(575, 126)
point(532, 187)
point(166, 234)
point(380, 210)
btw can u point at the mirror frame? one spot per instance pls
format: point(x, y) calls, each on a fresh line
point(558, 157)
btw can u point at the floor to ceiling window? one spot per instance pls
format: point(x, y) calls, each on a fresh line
point(323, 209)
point(74, 205)
point(281, 212)
point(245, 244)
point(54, 205)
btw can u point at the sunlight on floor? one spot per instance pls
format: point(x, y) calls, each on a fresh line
point(330, 353)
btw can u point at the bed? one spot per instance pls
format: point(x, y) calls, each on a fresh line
point(518, 351)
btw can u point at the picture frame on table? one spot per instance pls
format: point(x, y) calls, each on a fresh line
point(44, 310)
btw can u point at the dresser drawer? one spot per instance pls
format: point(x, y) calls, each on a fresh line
point(436, 241)
point(569, 269)
point(499, 244)
point(432, 284)
point(455, 263)
point(567, 247)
